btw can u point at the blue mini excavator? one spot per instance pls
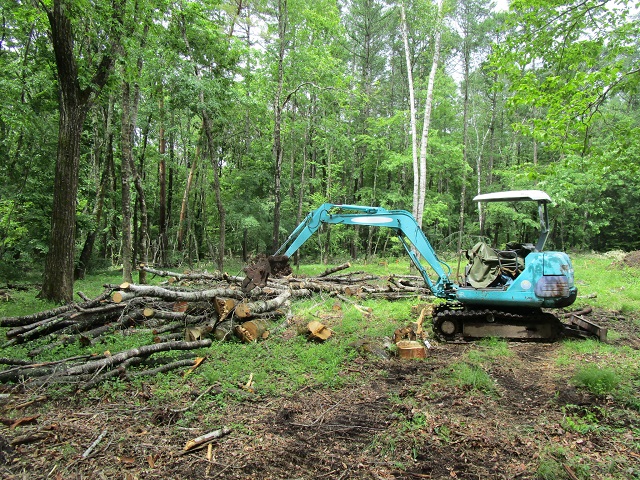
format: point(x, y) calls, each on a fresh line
point(502, 292)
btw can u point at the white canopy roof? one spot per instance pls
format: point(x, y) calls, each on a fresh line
point(514, 195)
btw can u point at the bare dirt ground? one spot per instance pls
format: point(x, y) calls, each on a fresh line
point(395, 419)
point(398, 420)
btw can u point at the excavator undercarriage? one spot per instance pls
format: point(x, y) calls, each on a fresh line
point(453, 322)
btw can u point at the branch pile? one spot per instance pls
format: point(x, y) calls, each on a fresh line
point(185, 313)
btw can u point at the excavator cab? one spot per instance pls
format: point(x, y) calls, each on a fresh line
point(522, 275)
point(492, 267)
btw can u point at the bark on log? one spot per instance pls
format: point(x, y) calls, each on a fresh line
point(245, 310)
point(329, 271)
point(216, 276)
point(143, 351)
point(178, 295)
point(119, 371)
point(28, 319)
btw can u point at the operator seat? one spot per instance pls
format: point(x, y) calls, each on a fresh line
point(494, 268)
point(484, 266)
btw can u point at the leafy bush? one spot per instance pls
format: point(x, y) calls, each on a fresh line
point(599, 381)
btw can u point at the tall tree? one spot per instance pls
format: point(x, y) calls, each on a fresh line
point(76, 96)
point(567, 58)
point(412, 112)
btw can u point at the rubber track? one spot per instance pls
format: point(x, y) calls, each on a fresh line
point(461, 316)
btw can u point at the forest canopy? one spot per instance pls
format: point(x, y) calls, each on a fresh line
point(167, 132)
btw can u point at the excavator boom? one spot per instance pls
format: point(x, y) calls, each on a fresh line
point(404, 224)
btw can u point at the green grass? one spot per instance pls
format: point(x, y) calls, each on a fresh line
point(598, 380)
point(489, 350)
point(283, 366)
point(470, 377)
point(604, 282)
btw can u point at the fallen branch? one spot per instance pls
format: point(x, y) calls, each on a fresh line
point(329, 271)
point(144, 351)
point(28, 319)
point(245, 310)
point(88, 451)
point(207, 437)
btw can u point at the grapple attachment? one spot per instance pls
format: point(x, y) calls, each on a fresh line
point(258, 272)
point(279, 265)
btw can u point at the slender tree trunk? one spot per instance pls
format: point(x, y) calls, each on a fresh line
point(185, 200)
point(222, 214)
point(465, 137)
point(427, 116)
point(126, 174)
point(162, 181)
point(302, 189)
point(412, 114)
point(277, 127)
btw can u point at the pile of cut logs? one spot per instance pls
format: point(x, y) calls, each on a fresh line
point(186, 312)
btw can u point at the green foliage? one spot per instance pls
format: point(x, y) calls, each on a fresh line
point(553, 65)
point(597, 380)
point(489, 350)
point(471, 377)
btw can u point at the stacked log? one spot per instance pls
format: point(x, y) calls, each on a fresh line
point(184, 313)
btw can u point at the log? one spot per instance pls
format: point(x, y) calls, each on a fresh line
point(39, 369)
point(216, 276)
point(143, 351)
point(184, 318)
point(223, 330)
point(245, 310)
point(14, 332)
point(252, 331)
point(224, 306)
point(207, 437)
point(28, 319)
point(317, 331)
point(178, 295)
point(122, 296)
point(119, 371)
point(168, 327)
point(329, 271)
point(169, 337)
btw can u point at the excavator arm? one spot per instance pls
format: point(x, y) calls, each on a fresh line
point(401, 221)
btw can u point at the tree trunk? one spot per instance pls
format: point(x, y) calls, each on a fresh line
point(412, 114)
point(162, 180)
point(127, 171)
point(427, 117)
point(185, 201)
point(465, 137)
point(206, 123)
point(277, 127)
point(74, 104)
point(59, 265)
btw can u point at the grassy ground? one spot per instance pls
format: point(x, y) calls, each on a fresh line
point(343, 409)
